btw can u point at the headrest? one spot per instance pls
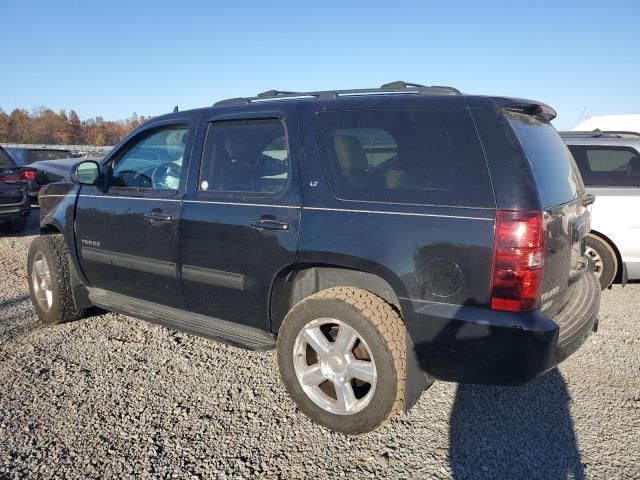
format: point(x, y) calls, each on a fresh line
point(237, 148)
point(351, 155)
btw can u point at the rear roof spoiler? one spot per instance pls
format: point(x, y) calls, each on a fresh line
point(529, 107)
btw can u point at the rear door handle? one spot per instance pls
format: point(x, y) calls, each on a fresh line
point(158, 216)
point(269, 224)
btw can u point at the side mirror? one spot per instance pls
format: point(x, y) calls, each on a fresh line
point(85, 173)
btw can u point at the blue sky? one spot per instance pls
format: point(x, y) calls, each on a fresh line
point(113, 58)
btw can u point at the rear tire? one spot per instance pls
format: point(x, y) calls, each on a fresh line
point(49, 284)
point(356, 380)
point(604, 259)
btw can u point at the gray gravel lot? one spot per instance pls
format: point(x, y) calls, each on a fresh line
point(114, 397)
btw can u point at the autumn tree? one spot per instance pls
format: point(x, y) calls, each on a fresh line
point(45, 126)
point(75, 128)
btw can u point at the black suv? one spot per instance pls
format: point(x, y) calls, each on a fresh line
point(379, 238)
point(14, 202)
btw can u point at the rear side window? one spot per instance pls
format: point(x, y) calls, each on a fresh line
point(5, 160)
point(554, 170)
point(248, 156)
point(603, 166)
point(39, 155)
point(428, 157)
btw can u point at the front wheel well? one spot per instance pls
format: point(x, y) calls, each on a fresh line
point(299, 282)
point(603, 237)
point(49, 230)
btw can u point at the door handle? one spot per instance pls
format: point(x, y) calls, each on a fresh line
point(158, 216)
point(269, 224)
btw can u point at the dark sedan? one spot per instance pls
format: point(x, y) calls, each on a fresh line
point(24, 158)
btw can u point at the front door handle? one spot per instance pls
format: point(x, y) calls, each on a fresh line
point(156, 215)
point(269, 224)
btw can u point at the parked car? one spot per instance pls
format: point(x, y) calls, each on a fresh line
point(26, 158)
point(14, 207)
point(11, 173)
point(378, 238)
point(49, 171)
point(610, 166)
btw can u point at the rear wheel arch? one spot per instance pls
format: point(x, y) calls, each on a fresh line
point(298, 282)
point(606, 239)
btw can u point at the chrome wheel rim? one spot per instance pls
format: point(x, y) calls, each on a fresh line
point(334, 366)
point(41, 282)
point(598, 264)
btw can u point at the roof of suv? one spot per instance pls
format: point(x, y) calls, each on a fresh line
point(387, 90)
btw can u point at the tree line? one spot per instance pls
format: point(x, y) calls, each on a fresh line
point(43, 125)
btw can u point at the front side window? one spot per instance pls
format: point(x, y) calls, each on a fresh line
point(430, 157)
point(154, 162)
point(248, 156)
point(607, 165)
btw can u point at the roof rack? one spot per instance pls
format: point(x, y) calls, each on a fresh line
point(597, 133)
point(398, 87)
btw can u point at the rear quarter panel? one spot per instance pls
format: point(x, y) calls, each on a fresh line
point(427, 254)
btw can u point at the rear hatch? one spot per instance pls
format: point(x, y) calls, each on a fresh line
point(11, 195)
point(9, 173)
point(564, 201)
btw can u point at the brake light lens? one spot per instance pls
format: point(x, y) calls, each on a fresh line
point(518, 261)
point(28, 175)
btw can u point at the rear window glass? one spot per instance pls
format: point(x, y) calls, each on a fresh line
point(5, 160)
point(552, 165)
point(39, 155)
point(607, 165)
point(429, 157)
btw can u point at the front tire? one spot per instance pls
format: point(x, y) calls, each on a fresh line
point(342, 358)
point(49, 284)
point(603, 258)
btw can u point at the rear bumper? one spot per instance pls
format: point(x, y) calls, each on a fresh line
point(15, 210)
point(471, 344)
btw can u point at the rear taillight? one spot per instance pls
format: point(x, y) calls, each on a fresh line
point(518, 259)
point(28, 175)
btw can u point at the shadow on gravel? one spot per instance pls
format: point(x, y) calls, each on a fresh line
point(514, 432)
point(32, 228)
point(13, 302)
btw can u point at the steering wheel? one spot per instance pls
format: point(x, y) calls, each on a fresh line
point(138, 179)
point(161, 174)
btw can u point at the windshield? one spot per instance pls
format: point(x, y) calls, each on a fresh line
point(554, 169)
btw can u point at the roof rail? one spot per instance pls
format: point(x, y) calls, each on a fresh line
point(597, 133)
point(398, 87)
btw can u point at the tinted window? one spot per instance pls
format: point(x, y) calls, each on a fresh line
point(40, 154)
point(155, 161)
point(5, 160)
point(430, 157)
point(554, 170)
point(607, 166)
point(245, 156)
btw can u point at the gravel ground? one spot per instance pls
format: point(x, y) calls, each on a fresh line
point(114, 397)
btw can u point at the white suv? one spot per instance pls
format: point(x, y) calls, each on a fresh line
point(610, 167)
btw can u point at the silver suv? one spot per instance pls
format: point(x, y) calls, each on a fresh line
point(610, 167)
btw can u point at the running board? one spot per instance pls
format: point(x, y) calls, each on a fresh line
point(201, 325)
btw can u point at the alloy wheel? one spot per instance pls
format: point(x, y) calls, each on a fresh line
point(41, 281)
point(334, 366)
